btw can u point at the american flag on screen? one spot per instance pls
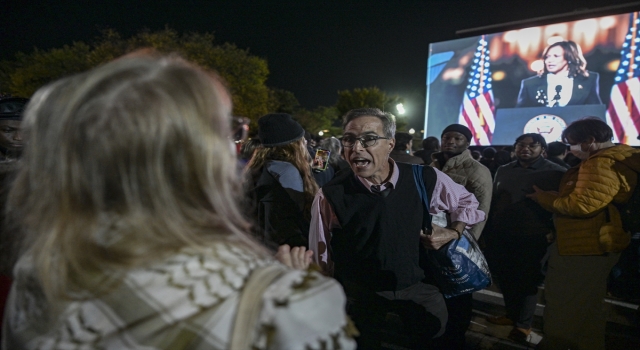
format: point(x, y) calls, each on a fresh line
point(623, 111)
point(477, 109)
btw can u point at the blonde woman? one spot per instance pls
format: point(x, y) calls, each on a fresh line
point(280, 182)
point(127, 198)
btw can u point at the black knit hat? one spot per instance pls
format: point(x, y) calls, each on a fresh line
point(458, 128)
point(12, 108)
point(278, 129)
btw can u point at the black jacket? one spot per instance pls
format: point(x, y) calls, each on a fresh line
point(278, 212)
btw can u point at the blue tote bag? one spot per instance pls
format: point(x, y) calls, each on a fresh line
point(459, 267)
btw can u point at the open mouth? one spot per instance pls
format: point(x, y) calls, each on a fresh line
point(361, 162)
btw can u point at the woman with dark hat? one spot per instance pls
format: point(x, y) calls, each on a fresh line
point(280, 182)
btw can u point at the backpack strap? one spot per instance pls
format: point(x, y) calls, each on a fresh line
point(633, 162)
point(628, 211)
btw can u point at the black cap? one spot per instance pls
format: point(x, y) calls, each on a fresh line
point(458, 128)
point(12, 108)
point(278, 129)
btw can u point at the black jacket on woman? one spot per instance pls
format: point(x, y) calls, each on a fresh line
point(278, 204)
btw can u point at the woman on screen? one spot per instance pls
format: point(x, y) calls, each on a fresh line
point(563, 81)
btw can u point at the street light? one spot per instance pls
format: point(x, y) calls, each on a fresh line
point(400, 108)
point(320, 133)
point(412, 131)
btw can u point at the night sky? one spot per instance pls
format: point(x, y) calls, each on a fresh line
point(313, 48)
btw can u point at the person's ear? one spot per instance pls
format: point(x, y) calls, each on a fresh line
point(392, 143)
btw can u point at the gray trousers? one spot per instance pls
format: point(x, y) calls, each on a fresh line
point(421, 308)
point(574, 292)
point(428, 297)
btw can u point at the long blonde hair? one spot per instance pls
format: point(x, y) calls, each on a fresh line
point(124, 165)
point(295, 153)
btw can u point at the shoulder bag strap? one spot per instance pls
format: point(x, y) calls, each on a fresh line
point(418, 177)
point(250, 305)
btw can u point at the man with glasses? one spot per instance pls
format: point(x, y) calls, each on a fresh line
point(456, 161)
point(366, 229)
point(520, 231)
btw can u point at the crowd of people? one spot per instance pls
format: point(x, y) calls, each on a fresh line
point(130, 221)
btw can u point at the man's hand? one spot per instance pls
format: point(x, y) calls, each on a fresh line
point(439, 237)
point(296, 257)
point(537, 191)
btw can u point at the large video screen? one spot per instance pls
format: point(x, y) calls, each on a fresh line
point(538, 79)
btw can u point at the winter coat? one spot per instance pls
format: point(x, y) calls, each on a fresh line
point(586, 218)
point(475, 177)
point(278, 205)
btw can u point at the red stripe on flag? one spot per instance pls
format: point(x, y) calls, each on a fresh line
point(487, 128)
point(467, 120)
point(632, 108)
point(635, 116)
point(478, 111)
point(613, 114)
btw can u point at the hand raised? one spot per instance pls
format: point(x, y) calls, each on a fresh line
point(296, 257)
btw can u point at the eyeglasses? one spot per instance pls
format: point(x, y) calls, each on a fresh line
point(366, 140)
point(528, 145)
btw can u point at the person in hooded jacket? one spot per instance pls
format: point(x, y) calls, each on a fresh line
point(280, 182)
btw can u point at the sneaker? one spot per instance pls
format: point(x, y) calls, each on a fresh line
point(519, 335)
point(500, 320)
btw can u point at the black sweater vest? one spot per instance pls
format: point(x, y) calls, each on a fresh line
point(378, 243)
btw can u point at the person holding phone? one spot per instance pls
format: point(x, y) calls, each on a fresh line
point(322, 172)
point(563, 80)
point(335, 160)
point(280, 182)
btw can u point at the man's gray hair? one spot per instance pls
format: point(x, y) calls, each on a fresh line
point(388, 119)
